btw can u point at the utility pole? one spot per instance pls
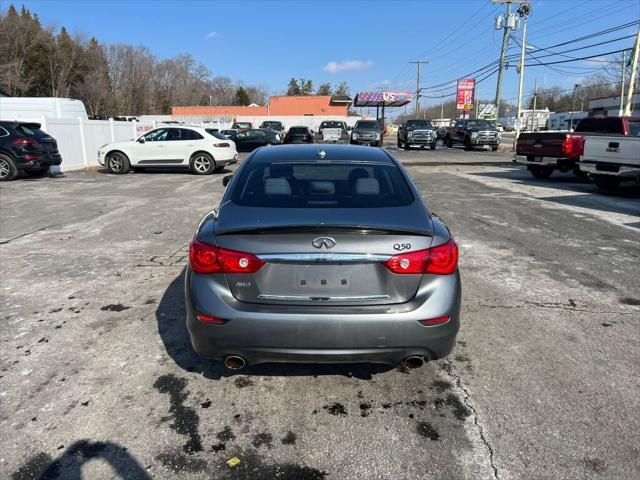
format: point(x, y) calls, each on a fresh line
point(573, 106)
point(535, 101)
point(442, 106)
point(523, 11)
point(634, 71)
point(624, 61)
point(477, 95)
point(503, 53)
point(419, 64)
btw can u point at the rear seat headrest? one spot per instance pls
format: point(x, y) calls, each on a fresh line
point(322, 188)
point(277, 186)
point(367, 186)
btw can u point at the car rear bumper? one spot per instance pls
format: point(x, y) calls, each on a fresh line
point(37, 161)
point(322, 334)
point(538, 160)
point(613, 169)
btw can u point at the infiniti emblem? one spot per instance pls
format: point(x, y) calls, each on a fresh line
point(326, 242)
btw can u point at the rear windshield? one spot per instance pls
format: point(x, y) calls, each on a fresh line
point(321, 185)
point(29, 129)
point(216, 134)
point(298, 130)
point(242, 125)
point(271, 124)
point(332, 124)
point(600, 125)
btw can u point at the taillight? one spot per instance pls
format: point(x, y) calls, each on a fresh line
point(222, 145)
point(573, 146)
point(435, 321)
point(210, 319)
point(205, 258)
point(25, 141)
point(440, 260)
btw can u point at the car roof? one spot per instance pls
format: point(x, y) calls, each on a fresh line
point(337, 152)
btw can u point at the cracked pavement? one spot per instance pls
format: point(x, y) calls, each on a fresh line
point(98, 379)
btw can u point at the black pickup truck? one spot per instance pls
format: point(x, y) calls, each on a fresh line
point(544, 152)
point(473, 133)
point(417, 132)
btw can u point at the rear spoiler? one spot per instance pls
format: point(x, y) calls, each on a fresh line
point(315, 229)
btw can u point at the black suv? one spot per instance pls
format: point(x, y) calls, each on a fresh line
point(26, 148)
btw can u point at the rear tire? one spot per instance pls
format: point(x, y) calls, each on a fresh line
point(39, 172)
point(432, 146)
point(202, 163)
point(8, 170)
point(494, 149)
point(606, 183)
point(540, 172)
point(118, 163)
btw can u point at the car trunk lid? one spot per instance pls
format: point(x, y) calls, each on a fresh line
point(324, 256)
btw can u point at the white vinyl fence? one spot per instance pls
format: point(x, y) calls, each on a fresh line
point(79, 140)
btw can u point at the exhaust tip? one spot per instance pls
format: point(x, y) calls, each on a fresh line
point(412, 362)
point(233, 362)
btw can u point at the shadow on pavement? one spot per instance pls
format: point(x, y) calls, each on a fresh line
point(164, 170)
point(69, 464)
point(568, 182)
point(172, 328)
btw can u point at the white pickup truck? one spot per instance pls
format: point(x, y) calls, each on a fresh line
point(333, 131)
point(610, 160)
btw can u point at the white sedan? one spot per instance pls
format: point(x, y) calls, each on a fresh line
point(200, 149)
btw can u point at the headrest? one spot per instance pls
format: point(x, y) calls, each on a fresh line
point(322, 188)
point(367, 186)
point(277, 186)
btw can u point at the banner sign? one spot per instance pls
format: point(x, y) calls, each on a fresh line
point(388, 99)
point(464, 97)
point(487, 111)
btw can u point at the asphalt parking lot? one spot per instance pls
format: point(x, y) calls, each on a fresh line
point(98, 379)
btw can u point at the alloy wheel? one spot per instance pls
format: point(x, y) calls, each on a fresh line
point(202, 164)
point(115, 163)
point(5, 168)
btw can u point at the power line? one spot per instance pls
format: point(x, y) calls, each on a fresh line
point(577, 59)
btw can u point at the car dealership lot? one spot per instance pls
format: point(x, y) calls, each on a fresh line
point(98, 374)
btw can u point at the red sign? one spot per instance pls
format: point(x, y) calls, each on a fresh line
point(464, 97)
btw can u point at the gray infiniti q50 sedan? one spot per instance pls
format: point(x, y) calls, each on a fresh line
point(322, 254)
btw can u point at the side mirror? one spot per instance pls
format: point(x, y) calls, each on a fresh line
point(349, 128)
point(141, 140)
point(226, 179)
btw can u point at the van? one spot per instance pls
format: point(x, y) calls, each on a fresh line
point(19, 108)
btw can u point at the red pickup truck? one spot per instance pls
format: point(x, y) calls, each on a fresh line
point(544, 152)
